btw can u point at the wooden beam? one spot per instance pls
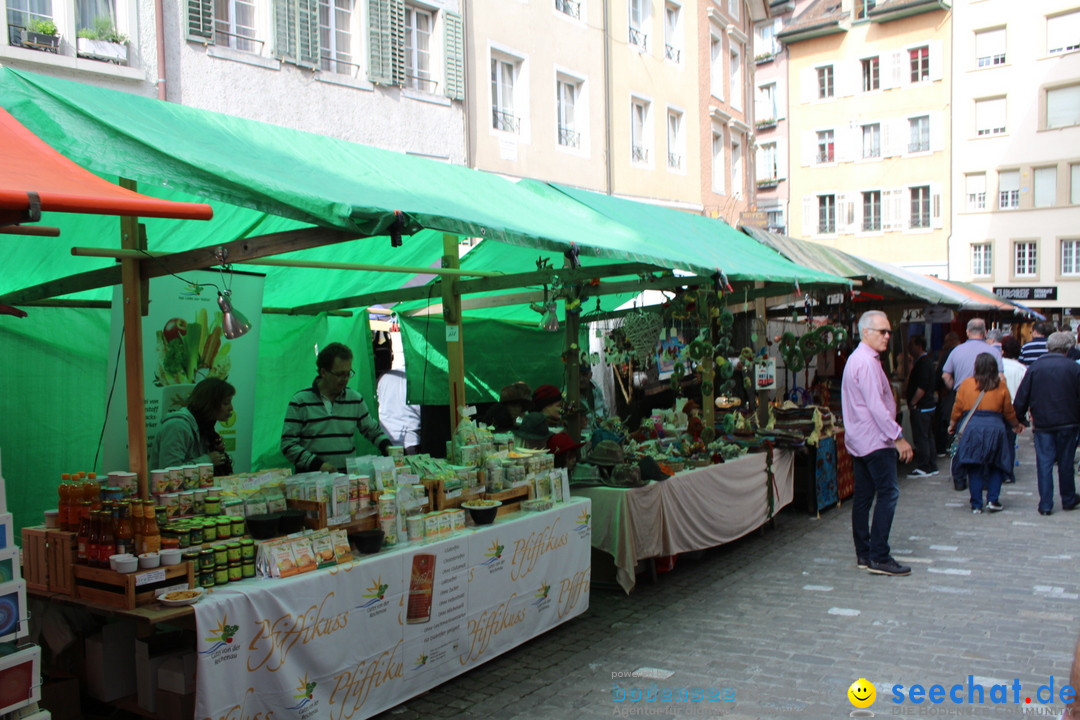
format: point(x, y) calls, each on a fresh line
point(239, 251)
point(36, 230)
point(568, 276)
point(379, 297)
point(134, 295)
point(455, 353)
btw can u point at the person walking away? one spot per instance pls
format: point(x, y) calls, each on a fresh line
point(1050, 391)
point(874, 440)
point(321, 421)
point(1014, 373)
point(959, 367)
point(982, 410)
point(920, 400)
point(945, 396)
point(1035, 348)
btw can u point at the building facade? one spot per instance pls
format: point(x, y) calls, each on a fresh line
point(1016, 140)
point(381, 72)
point(869, 117)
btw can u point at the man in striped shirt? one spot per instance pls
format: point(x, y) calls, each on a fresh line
point(1035, 348)
point(321, 420)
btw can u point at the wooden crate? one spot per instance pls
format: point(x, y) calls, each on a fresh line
point(62, 553)
point(510, 499)
point(443, 501)
point(317, 519)
point(128, 590)
point(35, 557)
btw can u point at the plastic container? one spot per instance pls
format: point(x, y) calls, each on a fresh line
point(170, 556)
point(149, 560)
point(124, 563)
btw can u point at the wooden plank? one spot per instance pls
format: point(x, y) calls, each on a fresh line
point(455, 352)
point(134, 294)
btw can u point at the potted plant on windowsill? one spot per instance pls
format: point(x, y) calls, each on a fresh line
point(103, 42)
point(40, 35)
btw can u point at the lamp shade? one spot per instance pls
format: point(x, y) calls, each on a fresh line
point(233, 324)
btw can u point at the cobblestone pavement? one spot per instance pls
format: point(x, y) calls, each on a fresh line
point(783, 622)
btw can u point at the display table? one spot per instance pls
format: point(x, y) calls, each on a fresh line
point(345, 643)
point(692, 510)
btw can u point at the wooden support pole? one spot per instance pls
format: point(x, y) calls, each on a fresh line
point(134, 291)
point(455, 354)
point(572, 358)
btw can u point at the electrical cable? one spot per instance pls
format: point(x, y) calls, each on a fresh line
point(108, 403)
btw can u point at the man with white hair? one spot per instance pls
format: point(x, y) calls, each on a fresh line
point(1051, 391)
point(874, 440)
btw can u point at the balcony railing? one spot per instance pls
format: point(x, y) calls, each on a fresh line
point(825, 157)
point(920, 146)
point(873, 152)
point(871, 224)
point(674, 161)
point(639, 38)
point(639, 153)
point(505, 121)
point(826, 226)
point(672, 53)
point(570, 7)
point(568, 137)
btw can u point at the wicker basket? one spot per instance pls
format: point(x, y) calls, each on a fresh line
point(643, 331)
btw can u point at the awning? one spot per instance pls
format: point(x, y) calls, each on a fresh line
point(35, 178)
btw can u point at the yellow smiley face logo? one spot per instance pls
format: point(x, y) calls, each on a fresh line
point(861, 693)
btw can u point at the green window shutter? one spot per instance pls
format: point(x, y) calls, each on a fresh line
point(386, 31)
point(454, 48)
point(200, 21)
point(285, 30)
point(296, 30)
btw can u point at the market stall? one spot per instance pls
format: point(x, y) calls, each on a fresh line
point(692, 510)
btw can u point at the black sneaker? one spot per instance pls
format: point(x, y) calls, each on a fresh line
point(994, 506)
point(862, 563)
point(889, 567)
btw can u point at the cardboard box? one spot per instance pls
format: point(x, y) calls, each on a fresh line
point(150, 654)
point(175, 707)
point(177, 674)
point(110, 662)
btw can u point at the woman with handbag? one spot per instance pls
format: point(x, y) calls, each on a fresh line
point(981, 408)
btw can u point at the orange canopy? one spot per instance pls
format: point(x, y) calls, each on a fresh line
point(35, 178)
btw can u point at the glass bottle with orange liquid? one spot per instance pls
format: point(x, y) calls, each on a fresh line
point(83, 535)
point(151, 531)
point(64, 505)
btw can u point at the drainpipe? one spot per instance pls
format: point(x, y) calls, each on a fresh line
point(159, 31)
point(467, 114)
point(609, 171)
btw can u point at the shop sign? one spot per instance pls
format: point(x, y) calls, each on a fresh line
point(754, 218)
point(766, 374)
point(1027, 293)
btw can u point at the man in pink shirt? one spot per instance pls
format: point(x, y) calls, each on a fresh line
point(873, 439)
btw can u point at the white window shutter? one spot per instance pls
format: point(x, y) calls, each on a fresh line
point(809, 215)
point(892, 71)
point(848, 77)
point(454, 51)
point(937, 131)
point(845, 211)
point(848, 143)
point(937, 220)
point(200, 20)
point(858, 214)
point(937, 60)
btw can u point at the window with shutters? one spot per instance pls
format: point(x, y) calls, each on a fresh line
point(418, 26)
point(981, 259)
point(768, 168)
point(871, 74)
point(676, 144)
point(920, 206)
point(71, 18)
point(1025, 258)
point(766, 111)
point(335, 37)
point(403, 41)
point(990, 116)
point(1063, 33)
point(919, 134)
point(733, 8)
point(673, 32)
point(1009, 190)
point(298, 32)
point(919, 58)
point(825, 87)
point(826, 214)
point(1070, 257)
point(639, 24)
point(718, 146)
point(504, 74)
point(1045, 181)
point(976, 191)
point(871, 211)
point(735, 75)
point(825, 147)
point(1062, 107)
point(640, 121)
point(871, 140)
point(990, 47)
point(234, 25)
point(774, 217)
point(766, 46)
point(567, 91)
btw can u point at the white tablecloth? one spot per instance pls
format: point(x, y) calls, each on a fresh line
point(693, 510)
point(343, 643)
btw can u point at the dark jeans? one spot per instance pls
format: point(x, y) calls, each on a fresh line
point(1056, 447)
point(875, 477)
point(921, 431)
point(986, 478)
point(946, 398)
